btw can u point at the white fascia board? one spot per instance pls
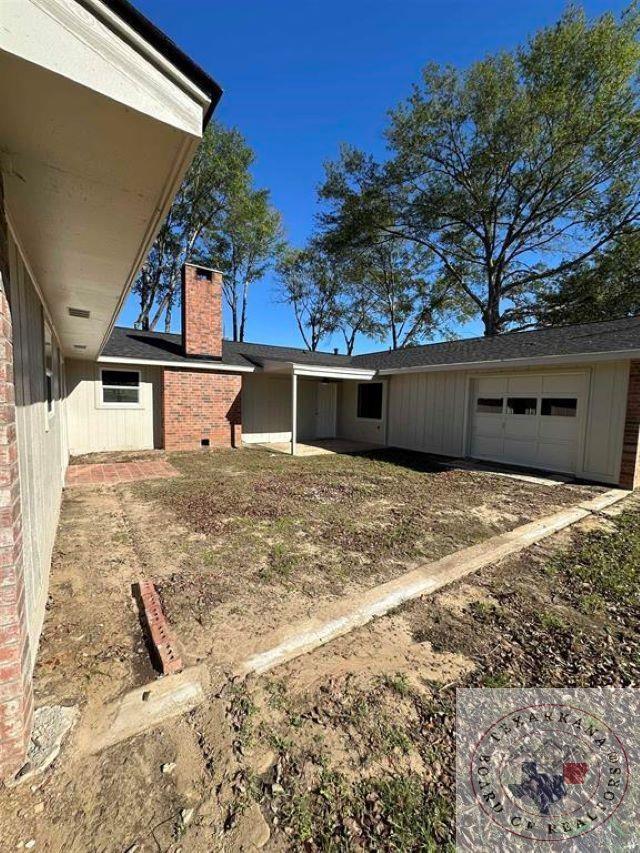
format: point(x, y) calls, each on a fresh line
point(332, 372)
point(505, 364)
point(186, 365)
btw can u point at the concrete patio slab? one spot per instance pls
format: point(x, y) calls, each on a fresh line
point(322, 447)
point(113, 473)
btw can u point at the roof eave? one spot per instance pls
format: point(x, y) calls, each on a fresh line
point(502, 363)
point(193, 364)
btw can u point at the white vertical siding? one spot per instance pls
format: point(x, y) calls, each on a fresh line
point(426, 412)
point(266, 408)
point(352, 427)
point(42, 447)
point(93, 428)
point(605, 421)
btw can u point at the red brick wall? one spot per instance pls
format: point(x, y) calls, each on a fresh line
point(201, 311)
point(630, 463)
point(199, 404)
point(16, 696)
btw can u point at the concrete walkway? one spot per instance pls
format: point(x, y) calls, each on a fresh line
point(110, 474)
point(321, 447)
point(345, 615)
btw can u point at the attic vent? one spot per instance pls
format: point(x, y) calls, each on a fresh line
point(79, 312)
point(79, 346)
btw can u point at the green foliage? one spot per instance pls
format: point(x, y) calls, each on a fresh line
point(216, 218)
point(605, 287)
point(310, 281)
point(510, 173)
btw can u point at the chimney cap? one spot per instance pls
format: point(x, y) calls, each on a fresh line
point(200, 267)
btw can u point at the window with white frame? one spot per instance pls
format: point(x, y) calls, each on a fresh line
point(370, 400)
point(120, 387)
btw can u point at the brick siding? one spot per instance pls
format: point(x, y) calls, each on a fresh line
point(16, 695)
point(630, 463)
point(201, 311)
point(201, 405)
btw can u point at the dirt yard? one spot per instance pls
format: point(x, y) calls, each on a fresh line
point(347, 748)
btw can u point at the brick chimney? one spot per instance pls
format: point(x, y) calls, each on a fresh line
point(201, 311)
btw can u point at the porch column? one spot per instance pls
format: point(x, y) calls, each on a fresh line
point(294, 412)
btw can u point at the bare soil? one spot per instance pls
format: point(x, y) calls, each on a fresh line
point(347, 748)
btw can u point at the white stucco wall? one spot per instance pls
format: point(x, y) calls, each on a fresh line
point(94, 427)
point(42, 441)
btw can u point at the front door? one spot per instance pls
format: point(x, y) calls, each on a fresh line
point(326, 409)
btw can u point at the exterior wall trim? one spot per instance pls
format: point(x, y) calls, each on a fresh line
point(176, 365)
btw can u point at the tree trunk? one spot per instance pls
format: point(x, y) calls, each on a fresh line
point(243, 320)
point(491, 312)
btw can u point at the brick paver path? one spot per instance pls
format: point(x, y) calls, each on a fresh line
point(110, 473)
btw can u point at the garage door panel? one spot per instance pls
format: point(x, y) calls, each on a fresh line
point(524, 385)
point(522, 427)
point(491, 386)
point(557, 457)
point(558, 429)
point(548, 439)
point(487, 447)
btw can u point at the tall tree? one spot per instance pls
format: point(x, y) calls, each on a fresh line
point(216, 194)
point(604, 288)
point(309, 281)
point(511, 173)
point(405, 304)
point(243, 242)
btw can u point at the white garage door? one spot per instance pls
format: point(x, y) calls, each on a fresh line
point(530, 420)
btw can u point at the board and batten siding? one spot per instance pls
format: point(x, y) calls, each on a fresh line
point(42, 440)
point(94, 427)
point(350, 426)
point(429, 412)
point(266, 409)
point(605, 421)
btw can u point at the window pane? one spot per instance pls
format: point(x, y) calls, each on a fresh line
point(120, 395)
point(489, 405)
point(131, 378)
point(561, 407)
point(522, 405)
point(370, 400)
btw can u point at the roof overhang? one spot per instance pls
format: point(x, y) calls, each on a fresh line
point(177, 365)
point(508, 363)
point(97, 128)
point(316, 371)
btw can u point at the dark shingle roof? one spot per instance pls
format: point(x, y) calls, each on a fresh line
point(608, 336)
point(163, 346)
point(586, 338)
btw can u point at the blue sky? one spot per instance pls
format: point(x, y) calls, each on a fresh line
point(300, 77)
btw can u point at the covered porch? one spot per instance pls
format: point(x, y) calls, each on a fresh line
point(309, 410)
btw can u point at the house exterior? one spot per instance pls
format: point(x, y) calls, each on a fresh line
point(559, 399)
point(100, 116)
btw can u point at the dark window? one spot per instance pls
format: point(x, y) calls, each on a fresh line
point(489, 405)
point(130, 378)
point(48, 367)
point(121, 386)
point(559, 407)
point(370, 400)
point(522, 405)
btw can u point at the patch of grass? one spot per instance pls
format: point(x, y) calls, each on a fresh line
point(396, 813)
point(397, 683)
point(242, 711)
point(606, 563)
point(551, 621)
point(498, 679)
